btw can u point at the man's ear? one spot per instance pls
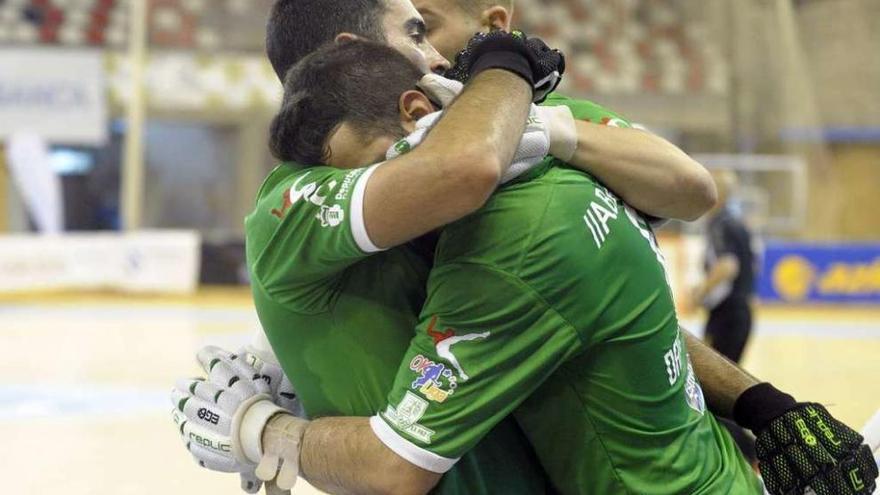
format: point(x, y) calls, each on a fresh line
point(342, 37)
point(496, 18)
point(414, 105)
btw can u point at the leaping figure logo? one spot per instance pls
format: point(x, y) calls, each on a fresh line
point(444, 341)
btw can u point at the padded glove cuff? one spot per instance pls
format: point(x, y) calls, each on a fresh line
point(504, 53)
point(759, 405)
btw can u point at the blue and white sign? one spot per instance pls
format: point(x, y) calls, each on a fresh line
point(834, 273)
point(56, 94)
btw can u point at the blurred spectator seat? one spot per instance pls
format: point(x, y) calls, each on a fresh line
point(614, 46)
point(627, 46)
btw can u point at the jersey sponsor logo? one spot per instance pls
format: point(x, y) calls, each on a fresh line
point(430, 379)
point(672, 359)
point(285, 205)
point(443, 342)
point(406, 415)
point(331, 216)
point(402, 147)
point(598, 214)
point(347, 182)
point(310, 193)
point(693, 391)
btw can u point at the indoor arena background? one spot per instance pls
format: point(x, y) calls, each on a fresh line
point(135, 139)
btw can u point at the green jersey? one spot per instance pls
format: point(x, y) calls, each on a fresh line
point(551, 303)
point(340, 320)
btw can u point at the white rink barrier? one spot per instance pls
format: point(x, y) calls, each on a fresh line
point(147, 261)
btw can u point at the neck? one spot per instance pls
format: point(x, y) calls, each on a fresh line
point(360, 154)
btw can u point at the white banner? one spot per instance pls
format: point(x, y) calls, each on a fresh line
point(138, 262)
point(57, 94)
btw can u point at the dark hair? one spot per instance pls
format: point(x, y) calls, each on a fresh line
point(358, 82)
point(299, 27)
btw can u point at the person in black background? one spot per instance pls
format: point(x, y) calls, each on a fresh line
point(728, 288)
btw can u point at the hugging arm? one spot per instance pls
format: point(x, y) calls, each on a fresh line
point(425, 428)
point(343, 455)
point(457, 167)
point(723, 381)
point(647, 171)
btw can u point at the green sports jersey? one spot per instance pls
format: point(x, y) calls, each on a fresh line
point(340, 320)
point(551, 303)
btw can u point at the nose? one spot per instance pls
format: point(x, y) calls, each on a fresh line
point(436, 62)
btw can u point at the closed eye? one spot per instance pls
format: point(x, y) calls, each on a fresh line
point(417, 30)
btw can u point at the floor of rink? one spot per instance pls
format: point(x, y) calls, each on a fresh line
point(84, 385)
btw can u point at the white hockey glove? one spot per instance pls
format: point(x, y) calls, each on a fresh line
point(222, 419)
point(532, 150)
point(561, 126)
point(261, 357)
point(439, 89)
point(559, 120)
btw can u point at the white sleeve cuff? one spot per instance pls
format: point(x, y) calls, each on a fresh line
point(358, 227)
point(404, 448)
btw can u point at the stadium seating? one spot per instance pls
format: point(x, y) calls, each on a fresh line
point(614, 46)
point(173, 24)
point(628, 46)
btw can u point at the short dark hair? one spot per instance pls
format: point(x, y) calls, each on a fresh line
point(299, 27)
point(358, 82)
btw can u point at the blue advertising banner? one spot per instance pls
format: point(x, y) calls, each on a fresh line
point(802, 272)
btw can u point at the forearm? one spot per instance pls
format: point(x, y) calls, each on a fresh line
point(722, 380)
point(647, 171)
point(343, 455)
point(457, 167)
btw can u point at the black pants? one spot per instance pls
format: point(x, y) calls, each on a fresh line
point(729, 327)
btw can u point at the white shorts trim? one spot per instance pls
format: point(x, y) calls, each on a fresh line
point(358, 227)
point(404, 448)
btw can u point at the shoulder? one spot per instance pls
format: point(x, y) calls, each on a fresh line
point(306, 227)
point(287, 185)
point(294, 198)
point(588, 110)
point(516, 219)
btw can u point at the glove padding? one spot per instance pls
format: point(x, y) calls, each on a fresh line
point(559, 120)
point(807, 447)
point(532, 149)
point(440, 90)
point(282, 391)
point(259, 354)
point(530, 58)
point(210, 415)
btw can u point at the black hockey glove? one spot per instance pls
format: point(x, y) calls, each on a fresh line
point(800, 445)
point(529, 58)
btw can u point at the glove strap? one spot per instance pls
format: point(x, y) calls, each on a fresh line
point(504, 52)
point(247, 427)
point(759, 405)
point(510, 61)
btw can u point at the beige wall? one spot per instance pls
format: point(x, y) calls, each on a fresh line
point(844, 201)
